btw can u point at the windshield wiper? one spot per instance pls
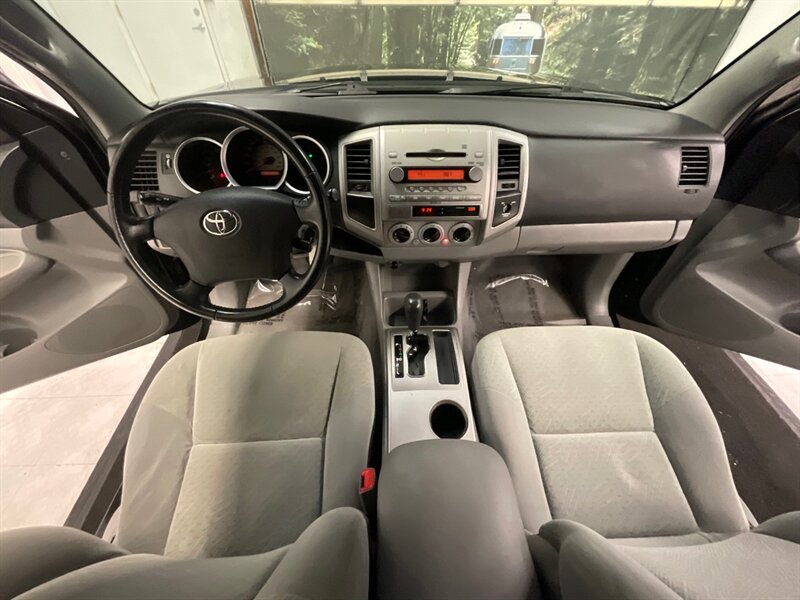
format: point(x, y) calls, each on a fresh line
point(566, 91)
point(341, 88)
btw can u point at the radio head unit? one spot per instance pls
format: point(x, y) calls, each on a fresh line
point(423, 179)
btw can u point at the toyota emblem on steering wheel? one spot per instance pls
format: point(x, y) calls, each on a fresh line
point(221, 222)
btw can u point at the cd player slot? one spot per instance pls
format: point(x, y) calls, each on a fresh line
point(435, 154)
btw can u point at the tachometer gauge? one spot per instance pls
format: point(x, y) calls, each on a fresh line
point(198, 166)
point(250, 159)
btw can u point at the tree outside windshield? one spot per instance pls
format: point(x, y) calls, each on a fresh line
point(655, 50)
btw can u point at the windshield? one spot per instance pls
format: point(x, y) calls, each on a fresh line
point(664, 49)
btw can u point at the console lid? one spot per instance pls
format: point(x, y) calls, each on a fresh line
point(449, 525)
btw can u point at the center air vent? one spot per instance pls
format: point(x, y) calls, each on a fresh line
point(509, 171)
point(145, 175)
point(695, 164)
point(359, 201)
point(359, 167)
point(508, 159)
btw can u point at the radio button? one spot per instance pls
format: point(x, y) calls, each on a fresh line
point(475, 174)
point(462, 188)
point(397, 174)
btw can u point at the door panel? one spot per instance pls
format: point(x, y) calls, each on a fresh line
point(67, 296)
point(735, 280)
point(738, 286)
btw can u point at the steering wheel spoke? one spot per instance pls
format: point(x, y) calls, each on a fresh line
point(292, 284)
point(194, 294)
point(138, 229)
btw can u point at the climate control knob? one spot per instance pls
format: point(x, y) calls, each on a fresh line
point(431, 233)
point(401, 233)
point(461, 233)
point(475, 174)
point(397, 174)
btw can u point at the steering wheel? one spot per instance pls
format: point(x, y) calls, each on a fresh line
point(223, 234)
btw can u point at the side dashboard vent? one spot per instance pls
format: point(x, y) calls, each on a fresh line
point(508, 161)
point(359, 200)
point(695, 165)
point(145, 175)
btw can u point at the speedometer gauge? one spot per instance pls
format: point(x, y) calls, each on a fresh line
point(250, 159)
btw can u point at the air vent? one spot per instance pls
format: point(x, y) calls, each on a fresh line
point(359, 202)
point(145, 175)
point(358, 159)
point(509, 171)
point(508, 159)
point(695, 164)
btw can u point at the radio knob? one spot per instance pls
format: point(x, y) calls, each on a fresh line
point(397, 174)
point(475, 174)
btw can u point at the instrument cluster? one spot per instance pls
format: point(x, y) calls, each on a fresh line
point(245, 158)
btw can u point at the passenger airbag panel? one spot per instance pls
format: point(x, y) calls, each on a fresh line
point(597, 181)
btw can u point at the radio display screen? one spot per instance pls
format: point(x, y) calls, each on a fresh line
point(446, 211)
point(435, 175)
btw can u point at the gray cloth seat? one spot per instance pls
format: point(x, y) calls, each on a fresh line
point(762, 564)
point(242, 444)
point(605, 428)
point(329, 561)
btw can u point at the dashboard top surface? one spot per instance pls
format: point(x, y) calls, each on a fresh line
point(539, 117)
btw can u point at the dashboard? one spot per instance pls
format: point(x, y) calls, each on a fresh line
point(427, 177)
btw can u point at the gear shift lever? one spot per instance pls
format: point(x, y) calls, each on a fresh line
point(418, 344)
point(414, 307)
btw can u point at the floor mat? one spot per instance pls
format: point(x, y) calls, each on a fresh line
point(335, 304)
point(519, 291)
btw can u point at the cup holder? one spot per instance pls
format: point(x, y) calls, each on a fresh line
point(448, 420)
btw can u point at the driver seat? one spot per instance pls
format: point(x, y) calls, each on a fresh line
point(243, 464)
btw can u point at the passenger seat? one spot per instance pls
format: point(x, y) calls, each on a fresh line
point(604, 431)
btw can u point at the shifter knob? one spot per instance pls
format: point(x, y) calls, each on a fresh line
point(414, 307)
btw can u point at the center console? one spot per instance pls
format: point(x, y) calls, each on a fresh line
point(430, 188)
point(420, 309)
point(428, 394)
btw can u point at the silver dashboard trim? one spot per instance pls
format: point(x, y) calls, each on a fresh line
point(327, 175)
point(373, 234)
point(224, 160)
point(380, 167)
point(177, 154)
